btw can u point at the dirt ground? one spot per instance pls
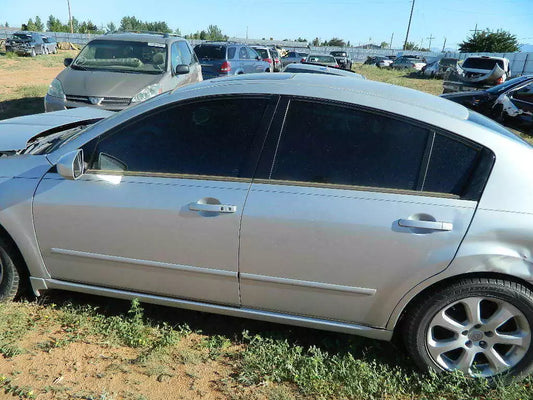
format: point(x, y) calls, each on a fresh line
point(16, 74)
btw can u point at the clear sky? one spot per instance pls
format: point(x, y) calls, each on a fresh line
point(359, 21)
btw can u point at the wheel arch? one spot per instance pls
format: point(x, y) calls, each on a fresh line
point(397, 319)
point(19, 261)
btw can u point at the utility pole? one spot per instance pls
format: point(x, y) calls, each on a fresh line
point(391, 37)
point(431, 37)
point(409, 25)
point(70, 17)
point(475, 30)
point(444, 45)
point(246, 33)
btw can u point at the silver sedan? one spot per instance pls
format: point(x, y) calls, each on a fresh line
point(314, 200)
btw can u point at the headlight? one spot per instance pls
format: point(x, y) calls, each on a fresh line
point(56, 89)
point(147, 93)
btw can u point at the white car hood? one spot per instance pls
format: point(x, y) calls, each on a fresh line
point(15, 132)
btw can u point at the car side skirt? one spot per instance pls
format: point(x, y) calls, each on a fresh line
point(39, 284)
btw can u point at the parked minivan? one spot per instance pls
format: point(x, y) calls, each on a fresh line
point(117, 70)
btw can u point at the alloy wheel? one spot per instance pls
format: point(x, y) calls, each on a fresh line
point(481, 336)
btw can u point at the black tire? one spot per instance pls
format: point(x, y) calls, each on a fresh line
point(492, 296)
point(10, 272)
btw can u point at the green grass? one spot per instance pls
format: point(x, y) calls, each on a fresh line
point(405, 78)
point(346, 373)
point(289, 363)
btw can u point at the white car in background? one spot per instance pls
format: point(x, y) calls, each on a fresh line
point(407, 62)
point(385, 63)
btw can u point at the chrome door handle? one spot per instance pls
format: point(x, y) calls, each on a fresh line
point(215, 208)
point(434, 225)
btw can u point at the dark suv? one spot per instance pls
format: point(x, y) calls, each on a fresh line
point(26, 43)
point(343, 59)
point(225, 58)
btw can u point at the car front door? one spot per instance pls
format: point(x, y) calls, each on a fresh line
point(257, 64)
point(159, 209)
point(356, 208)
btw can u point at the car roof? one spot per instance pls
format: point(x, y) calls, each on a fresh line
point(140, 37)
point(323, 69)
point(337, 88)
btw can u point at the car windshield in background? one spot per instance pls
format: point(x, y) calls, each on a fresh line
point(321, 59)
point(482, 63)
point(210, 52)
point(123, 56)
point(262, 52)
point(448, 62)
point(22, 36)
point(302, 55)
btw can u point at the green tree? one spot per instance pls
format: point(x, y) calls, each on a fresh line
point(134, 24)
point(39, 26)
point(490, 42)
point(384, 45)
point(30, 25)
point(316, 42)
point(177, 32)
point(111, 27)
point(301, 40)
point(410, 46)
point(215, 33)
point(54, 25)
point(6, 25)
point(336, 42)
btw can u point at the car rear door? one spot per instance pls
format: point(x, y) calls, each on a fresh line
point(159, 209)
point(352, 208)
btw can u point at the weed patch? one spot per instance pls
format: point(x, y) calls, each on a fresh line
point(315, 372)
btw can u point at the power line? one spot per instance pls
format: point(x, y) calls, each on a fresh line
point(431, 37)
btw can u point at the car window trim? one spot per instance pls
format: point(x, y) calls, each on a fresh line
point(262, 130)
point(484, 159)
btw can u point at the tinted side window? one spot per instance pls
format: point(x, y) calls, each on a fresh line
point(525, 93)
point(231, 53)
point(215, 137)
point(186, 56)
point(450, 167)
point(336, 145)
point(243, 54)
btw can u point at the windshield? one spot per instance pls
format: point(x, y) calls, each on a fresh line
point(482, 63)
point(321, 59)
point(123, 56)
point(23, 36)
point(448, 62)
point(210, 52)
point(508, 84)
point(262, 52)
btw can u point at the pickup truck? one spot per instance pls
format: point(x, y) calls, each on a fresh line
point(476, 73)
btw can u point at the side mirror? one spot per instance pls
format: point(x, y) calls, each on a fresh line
point(182, 69)
point(67, 62)
point(258, 58)
point(70, 166)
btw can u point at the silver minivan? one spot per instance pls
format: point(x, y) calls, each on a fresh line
point(308, 199)
point(117, 70)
